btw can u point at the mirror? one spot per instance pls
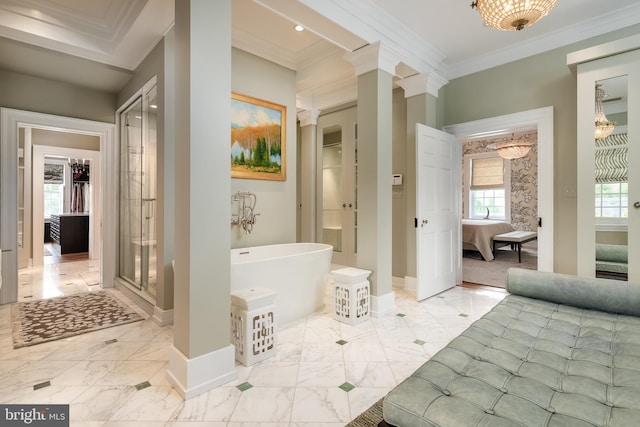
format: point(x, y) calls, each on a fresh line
point(611, 178)
point(332, 187)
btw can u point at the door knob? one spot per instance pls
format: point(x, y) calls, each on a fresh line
point(344, 205)
point(636, 205)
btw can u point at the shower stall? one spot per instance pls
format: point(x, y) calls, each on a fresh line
point(137, 203)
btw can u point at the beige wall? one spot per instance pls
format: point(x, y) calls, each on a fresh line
point(154, 66)
point(276, 200)
point(539, 81)
point(65, 139)
point(24, 92)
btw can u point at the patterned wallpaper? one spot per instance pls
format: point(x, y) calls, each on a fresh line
point(524, 181)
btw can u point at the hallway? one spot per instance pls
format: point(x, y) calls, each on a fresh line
point(60, 275)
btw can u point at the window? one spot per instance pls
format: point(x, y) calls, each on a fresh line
point(53, 199)
point(612, 200)
point(488, 183)
point(53, 188)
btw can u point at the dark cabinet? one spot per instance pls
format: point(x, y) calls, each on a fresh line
point(71, 232)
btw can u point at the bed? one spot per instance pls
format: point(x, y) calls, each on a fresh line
point(559, 351)
point(477, 235)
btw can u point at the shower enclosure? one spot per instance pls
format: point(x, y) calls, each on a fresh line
point(137, 217)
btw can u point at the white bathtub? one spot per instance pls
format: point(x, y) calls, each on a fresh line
point(298, 272)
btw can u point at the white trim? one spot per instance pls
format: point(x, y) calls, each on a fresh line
point(11, 119)
point(382, 305)
point(542, 119)
point(191, 377)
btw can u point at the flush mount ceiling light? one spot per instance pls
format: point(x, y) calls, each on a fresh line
point(604, 127)
point(512, 148)
point(299, 28)
point(512, 14)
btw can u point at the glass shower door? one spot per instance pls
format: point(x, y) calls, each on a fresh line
point(137, 244)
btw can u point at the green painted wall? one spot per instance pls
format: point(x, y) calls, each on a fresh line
point(535, 82)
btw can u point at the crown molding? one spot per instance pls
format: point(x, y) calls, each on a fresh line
point(372, 23)
point(418, 84)
point(614, 20)
point(372, 57)
point(261, 47)
point(308, 117)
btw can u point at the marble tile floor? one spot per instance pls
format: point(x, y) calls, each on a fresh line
point(324, 373)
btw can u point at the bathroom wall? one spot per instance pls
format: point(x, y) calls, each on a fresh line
point(276, 200)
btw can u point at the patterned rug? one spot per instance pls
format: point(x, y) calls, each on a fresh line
point(36, 322)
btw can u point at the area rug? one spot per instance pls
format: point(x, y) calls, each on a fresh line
point(369, 418)
point(36, 322)
point(494, 273)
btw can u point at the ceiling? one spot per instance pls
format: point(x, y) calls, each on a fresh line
point(96, 43)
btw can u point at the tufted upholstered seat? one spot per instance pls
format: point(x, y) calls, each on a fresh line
point(570, 360)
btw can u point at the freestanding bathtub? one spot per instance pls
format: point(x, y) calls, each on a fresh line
point(298, 272)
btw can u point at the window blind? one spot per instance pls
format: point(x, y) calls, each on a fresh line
point(53, 173)
point(487, 172)
point(611, 163)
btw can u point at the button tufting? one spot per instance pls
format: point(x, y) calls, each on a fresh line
point(489, 411)
point(552, 410)
point(446, 392)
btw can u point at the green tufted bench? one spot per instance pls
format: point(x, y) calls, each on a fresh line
point(611, 260)
point(559, 351)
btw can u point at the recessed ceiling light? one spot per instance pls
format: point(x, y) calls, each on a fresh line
point(299, 28)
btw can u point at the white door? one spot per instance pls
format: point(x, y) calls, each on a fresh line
point(438, 211)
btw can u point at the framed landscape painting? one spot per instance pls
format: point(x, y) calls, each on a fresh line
point(257, 139)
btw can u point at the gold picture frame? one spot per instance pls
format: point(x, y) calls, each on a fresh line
point(258, 139)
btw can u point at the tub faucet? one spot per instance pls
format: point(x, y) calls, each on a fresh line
point(246, 216)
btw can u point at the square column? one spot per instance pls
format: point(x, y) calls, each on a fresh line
point(202, 357)
point(375, 67)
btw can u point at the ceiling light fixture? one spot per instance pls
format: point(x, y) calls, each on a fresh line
point(512, 148)
point(299, 28)
point(604, 127)
point(512, 14)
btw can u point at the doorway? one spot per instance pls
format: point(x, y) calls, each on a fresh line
point(541, 120)
point(337, 206)
point(103, 217)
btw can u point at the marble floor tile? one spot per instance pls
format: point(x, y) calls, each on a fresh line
point(323, 374)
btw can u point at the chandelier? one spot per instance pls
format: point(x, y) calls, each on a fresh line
point(512, 14)
point(513, 148)
point(604, 127)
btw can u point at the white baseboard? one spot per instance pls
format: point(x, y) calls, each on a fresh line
point(382, 305)
point(191, 377)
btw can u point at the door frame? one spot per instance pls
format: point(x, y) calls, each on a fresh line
point(37, 207)
point(10, 121)
point(542, 120)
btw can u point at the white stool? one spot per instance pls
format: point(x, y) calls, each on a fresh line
point(253, 324)
point(351, 295)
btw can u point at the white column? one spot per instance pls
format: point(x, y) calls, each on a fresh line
point(202, 357)
point(308, 185)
